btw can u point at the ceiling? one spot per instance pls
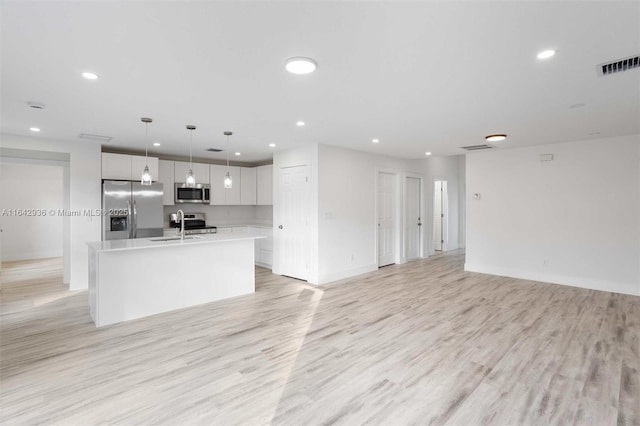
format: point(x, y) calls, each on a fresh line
point(418, 76)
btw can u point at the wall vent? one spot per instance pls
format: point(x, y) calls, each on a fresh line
point(213, 150)
point(619, 65)
point(476, 147)
point(98, 138)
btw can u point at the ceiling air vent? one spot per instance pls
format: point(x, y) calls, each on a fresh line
point(619, 66)
point(98, 138)
point(476, 147)
point(213, 150)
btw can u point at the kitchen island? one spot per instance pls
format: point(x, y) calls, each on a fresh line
point(135, 278)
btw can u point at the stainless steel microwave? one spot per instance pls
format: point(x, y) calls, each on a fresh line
point(198, 194)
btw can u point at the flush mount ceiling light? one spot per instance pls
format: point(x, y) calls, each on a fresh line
point(34, 129)
point(300, 123)
point(190, 179)
point(301, 65)
point(228, 182)
point(375, 140)
point(546, 54)
point(496, 137)
point(146, 179)
point(90, 75)
point(427, 153)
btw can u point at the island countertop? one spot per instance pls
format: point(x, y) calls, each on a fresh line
point(159, 242)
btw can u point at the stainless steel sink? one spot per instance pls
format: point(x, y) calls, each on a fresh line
point(165, 239)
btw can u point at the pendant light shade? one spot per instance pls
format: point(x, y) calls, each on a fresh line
point(146, 178)
point(228, 182)
point(190, 179)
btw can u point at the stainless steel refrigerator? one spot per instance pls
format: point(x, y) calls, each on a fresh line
point(131, 210)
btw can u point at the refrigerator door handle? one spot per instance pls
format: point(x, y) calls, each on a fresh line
point(135, 221)
point(129, 220)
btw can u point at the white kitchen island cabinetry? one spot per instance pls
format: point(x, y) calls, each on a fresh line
point(131, 279)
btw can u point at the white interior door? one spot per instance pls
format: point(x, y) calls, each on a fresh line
point(386, 219)
point(413, 220)
point(294, 187)
point(440, 215)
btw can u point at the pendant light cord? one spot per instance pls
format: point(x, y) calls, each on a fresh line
point(146, 140)
point(190, 143)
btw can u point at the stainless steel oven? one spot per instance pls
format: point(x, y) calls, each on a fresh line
point(198, 194)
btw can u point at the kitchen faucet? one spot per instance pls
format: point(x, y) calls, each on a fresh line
point(181, 217)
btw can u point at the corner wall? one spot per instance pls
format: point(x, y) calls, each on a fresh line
point(85, 194)
point(574, 220)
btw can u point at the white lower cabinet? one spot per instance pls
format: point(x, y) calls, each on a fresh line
point(263, 246)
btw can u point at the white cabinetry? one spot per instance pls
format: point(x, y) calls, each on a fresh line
point(127, 167)
point(248, 186)
point(219, 194)
point(200, 171)
point(166, 176)
point(264, 185)
point(263, 247)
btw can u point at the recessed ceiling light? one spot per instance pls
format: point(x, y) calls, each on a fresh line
point(495, 138)
point(546, 54)
point(34, 129)
point(90, 75)
point(427, 153)
point(156, 144)
point(300, 123)
point(375, 140)
point(301, 65)
point(237, 153)
point(272, 145)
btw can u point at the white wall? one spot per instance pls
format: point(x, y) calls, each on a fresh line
point(347, 216)
point(84, 193)
point(574, 220)
point(31, 185)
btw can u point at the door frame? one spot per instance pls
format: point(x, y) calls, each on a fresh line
point(445, 213)
point(423, 217)
point(397, 211)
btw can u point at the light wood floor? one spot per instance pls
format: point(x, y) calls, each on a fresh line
point(422, 343)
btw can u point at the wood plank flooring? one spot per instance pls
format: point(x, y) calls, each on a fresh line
point(421, 343)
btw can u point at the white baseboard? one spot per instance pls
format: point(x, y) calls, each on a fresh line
point(340, 275)
point(582, 282)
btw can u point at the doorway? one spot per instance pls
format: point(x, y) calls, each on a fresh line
point(387, 193)
point(413, 218)
point(440, 210)
point(292, 229)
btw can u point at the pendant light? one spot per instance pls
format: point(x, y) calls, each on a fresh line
point(190, 180)
point(146, 178)
point(228, 182)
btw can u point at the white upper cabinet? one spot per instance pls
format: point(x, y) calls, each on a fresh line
point(219, 194)
point(264, 183)
point(233, 193)
point(200, 171)
point(127, 167)
point(248, 186)
point(166, 176)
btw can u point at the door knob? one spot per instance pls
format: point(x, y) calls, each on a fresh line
point(280, 227)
